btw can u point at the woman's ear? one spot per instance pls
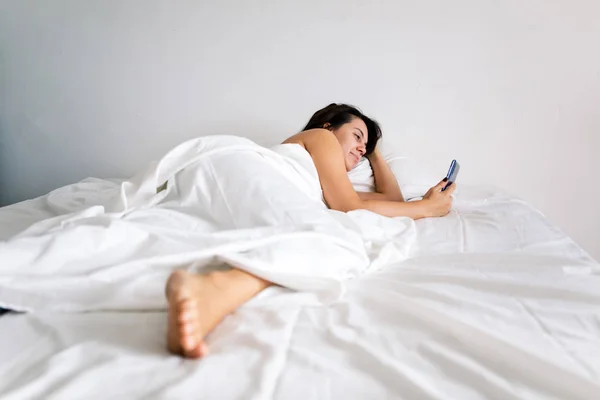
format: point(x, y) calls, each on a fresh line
point(327, 126)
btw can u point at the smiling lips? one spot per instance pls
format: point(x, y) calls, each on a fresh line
point(356, 158)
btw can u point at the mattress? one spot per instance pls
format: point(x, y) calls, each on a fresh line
point(490, 302)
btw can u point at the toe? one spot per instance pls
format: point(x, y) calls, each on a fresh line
point(188, 329)
point(201, 350)
point(185, 311)
point(187, 342)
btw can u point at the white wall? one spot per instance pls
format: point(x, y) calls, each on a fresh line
point(510, 88)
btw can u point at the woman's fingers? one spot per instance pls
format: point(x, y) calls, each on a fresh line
point(450, 189)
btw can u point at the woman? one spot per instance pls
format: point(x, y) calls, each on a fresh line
point(336, 138)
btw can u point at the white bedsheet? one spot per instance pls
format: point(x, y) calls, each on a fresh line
point(493, 303)
point(226, 200)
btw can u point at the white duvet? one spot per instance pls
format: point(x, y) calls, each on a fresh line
point(209, 201)
point(490, 302)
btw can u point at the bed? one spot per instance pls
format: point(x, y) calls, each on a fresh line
point(489, 302)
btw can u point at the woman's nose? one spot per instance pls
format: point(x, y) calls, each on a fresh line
point(361, 149)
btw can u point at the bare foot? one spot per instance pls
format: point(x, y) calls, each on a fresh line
point(196, 306)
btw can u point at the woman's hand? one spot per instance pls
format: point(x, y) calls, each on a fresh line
point(438, 203)
point(386, 184)
point(375, 154)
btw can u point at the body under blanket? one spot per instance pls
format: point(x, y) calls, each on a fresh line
point(209, 201)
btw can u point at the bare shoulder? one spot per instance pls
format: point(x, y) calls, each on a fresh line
point(327, 155)
point(313, 137)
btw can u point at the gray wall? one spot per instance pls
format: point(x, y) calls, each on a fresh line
point(510, 88)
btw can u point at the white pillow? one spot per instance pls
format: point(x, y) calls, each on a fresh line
point(361, 176)
point(413, 179)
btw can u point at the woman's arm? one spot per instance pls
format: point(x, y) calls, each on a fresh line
point(339, 194)
point(386, 185)
point(435, 203)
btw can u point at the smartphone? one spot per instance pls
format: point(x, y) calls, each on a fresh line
point(452, 173)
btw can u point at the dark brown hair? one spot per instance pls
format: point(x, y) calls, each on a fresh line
point(339, 114)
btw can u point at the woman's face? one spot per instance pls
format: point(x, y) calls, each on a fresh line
point(353, 137)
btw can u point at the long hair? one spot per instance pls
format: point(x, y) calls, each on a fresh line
point(339, 114)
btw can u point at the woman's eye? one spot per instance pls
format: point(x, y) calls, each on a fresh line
point(356, 136)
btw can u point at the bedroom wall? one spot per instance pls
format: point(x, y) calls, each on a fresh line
point(511, 88)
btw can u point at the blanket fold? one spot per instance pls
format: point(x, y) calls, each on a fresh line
point(226, 200)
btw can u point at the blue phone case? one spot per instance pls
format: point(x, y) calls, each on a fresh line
point(452, 173)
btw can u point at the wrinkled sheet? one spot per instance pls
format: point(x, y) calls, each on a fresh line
point(440, 327)
point(210, 201)
point(493, 302)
